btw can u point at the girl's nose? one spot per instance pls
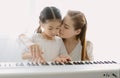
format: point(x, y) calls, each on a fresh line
point(54, 32)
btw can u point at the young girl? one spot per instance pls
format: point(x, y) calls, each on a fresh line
point(50, 45)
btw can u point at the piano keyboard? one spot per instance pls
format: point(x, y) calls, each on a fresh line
point(27, 64)
point(77, 69)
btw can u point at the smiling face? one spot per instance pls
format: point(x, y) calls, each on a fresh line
point(67, 29)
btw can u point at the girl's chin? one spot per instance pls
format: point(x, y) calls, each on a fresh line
point(62, 36)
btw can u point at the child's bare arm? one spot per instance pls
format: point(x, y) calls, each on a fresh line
point(35, 51)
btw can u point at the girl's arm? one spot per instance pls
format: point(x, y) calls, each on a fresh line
point(35, 53)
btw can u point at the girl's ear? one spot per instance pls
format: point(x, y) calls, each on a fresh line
point(78, 31)
point(40, 23)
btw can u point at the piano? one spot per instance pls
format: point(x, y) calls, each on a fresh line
point(73, 69)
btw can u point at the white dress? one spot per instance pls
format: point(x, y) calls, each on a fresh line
point(76, 53)
point(51, 48)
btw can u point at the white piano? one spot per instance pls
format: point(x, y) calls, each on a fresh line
point(76, 69)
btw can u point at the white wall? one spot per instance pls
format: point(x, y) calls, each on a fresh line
point(21, 16)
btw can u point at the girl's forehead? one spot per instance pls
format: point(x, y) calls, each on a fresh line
point(53, 23)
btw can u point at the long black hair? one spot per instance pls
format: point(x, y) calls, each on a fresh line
point(49, 13)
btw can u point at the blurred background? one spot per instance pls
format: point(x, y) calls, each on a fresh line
point(22, 16)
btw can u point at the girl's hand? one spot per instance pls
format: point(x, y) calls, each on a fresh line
point(35, 50)
point(36, 53)
point(38, 60)
point(27, 55)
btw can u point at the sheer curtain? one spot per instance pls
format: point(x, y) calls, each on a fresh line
point(21, 16)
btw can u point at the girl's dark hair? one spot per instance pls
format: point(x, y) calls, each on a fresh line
point(49, 13)
point(80, 22)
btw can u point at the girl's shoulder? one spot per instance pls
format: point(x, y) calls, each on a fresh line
point(36, 35)
point(58, 40)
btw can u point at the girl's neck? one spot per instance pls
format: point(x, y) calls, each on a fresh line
point(45, 36)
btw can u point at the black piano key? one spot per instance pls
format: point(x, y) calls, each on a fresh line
point(87, 62)
point(53, 63)
point(114, 62)
point(81, 63)
point(75, 63)
point(33, 64)
point(90, 62)
point(21, 64)
point(9, 65)
point(109, 62)
point(98, 62)
point(68, 63)
point(17, 64)
point(78, 63)
point(106, 62)
point(58, 63)
point(94, 62)
point(37, 64)
point(46, 64)
point(28, 64)
point(101, 62)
